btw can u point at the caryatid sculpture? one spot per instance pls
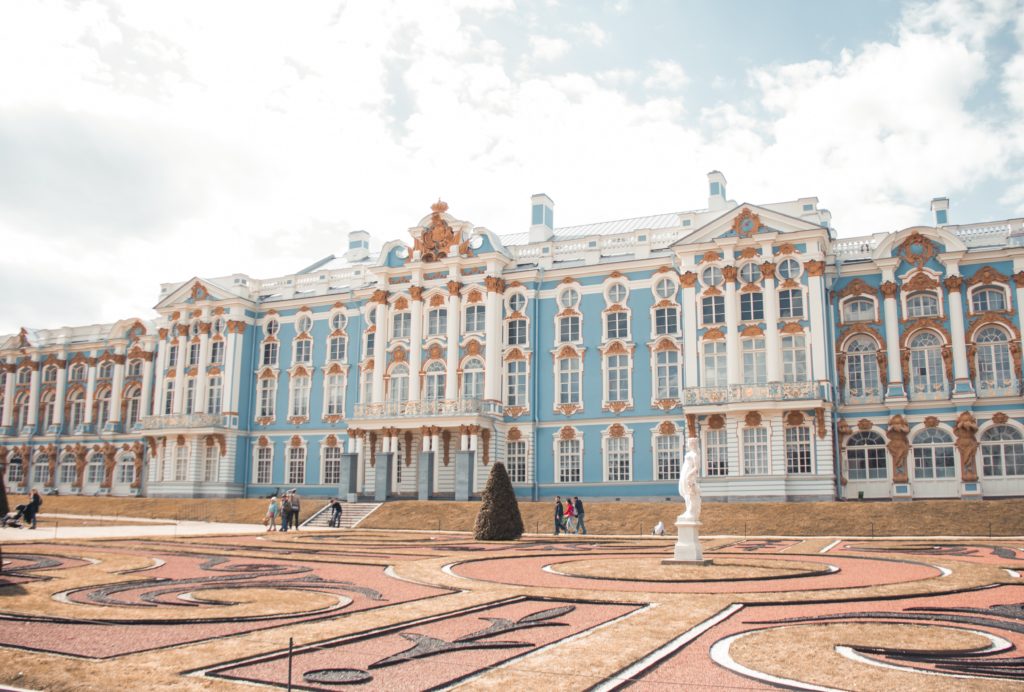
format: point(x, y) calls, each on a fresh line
point(688, 486)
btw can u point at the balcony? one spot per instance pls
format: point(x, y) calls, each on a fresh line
point(438, 407)
point(185, 420)
point(744, 393)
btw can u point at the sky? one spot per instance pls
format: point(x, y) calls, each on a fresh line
point(145, 141)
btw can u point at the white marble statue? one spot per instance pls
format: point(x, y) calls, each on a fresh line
point(688, 486)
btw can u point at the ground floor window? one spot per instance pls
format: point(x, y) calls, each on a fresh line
point(716, 451)
point(933, 454)
point(181, 463)
point(296, 465)
point(865, 456)
point(668, 455)
point(41, 471)
point(15, 471)
point(619, 462)
point(126, 472)
point(755, 451)
point(94, 472)
point(332, 465)
point(210, 463)
point(264, 460)
point(798, 450)
point(569, 461)
point(1002, 451)
point(515, 460)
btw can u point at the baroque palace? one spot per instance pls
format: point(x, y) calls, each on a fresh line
point(810, 367)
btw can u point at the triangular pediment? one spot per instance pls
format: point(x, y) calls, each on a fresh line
point(747, 221)
point(195, 290)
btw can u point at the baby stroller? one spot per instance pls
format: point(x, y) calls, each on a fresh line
point(14, 522)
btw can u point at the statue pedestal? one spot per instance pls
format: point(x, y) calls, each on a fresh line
point(687, 550)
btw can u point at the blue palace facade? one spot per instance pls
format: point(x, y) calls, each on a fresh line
point(810, 367)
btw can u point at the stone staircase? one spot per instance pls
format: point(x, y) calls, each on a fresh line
point(351, 514)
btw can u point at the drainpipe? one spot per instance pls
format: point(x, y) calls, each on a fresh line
point(535, 399)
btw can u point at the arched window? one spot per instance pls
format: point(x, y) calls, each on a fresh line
point(15, 471)
point(135, 368)
point(21, 411)
point(94, 470)
point(50, 375)
point(102, 408)
point(993, 359)
point(398, 386)
point(78, 373)
point(865, 457)
point(933, 454)
point(132, 407)
point(24, 375)
point(862, 367)
point(47, 409)
point(1002, 451)
point(987, 299)
point(106, 370)
point(922, 304)
point(434, 382)
point(859, 310)
point(473, 379)
point(926, 372)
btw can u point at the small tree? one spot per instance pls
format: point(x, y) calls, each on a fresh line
point(4, 506)
point(499, 518)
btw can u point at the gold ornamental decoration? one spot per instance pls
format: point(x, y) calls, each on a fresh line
point(916, 250)
point(435, 241)
point(616, 431)
point(752, 419)
point(667, 428)
point(899, 447)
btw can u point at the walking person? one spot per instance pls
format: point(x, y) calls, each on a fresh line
point(33, 508)
point(271, 519)
point(286, 512)
point(570, 516)
point(295, 509)
point(335, 513)
point(559, 514)
point(580, 526)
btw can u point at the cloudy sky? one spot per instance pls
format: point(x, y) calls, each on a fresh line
point(149, 141)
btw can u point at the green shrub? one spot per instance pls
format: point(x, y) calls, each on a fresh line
point(499, 518)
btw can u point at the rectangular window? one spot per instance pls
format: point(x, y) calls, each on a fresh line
point(570, 461)
point(332, 465)
point(172, 356)
point(296, 465)
point(400, 325)
point(751, 307)
point(268, 394)
point(169, 398)
point(40, 471)
point(181, 463)
point(618, 458)
point(794, 359)
point(303, 351)
point(190, 395)
point(213, 397)
point(666, 321)
point(618, 378)
point(515, 460)
point(516, 383)
point(666, 375)
point(713, 309)
point(264, 460)
point(476, 320)
point(668, 452)
point(370, 342)
point(569, 381)
point(755, 451)
point(617, 325)
point(516, 333)
point(437, 322)
point(193, 354)
point(336, 348)
point(798, 450)
point(125, 473)
point(210, 463)
point(716, 451)
point(754, 369)
point(569, 329)
point(335, 395)
point(716, 364)
point(270, 354)
point(866, 463)
point(15, 472)
point(791, 303)
point(300, 397)
point(217, 353)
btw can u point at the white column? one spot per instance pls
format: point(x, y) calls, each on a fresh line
point(464, 440)
point(415, 343)
point(380, 345)
point(179, 370)
point(732, 323)
point(159, 383)
point(201, 375)
point(1018, 280)
point(773, 345)
point(117, 385)
point(451, 384)
point(90, 392)
point(230, 367)
point(816, 291)
point(690, 308)
point(492, 374)
point(7, 417)
point(892, 334)
point(360, 462)
point(474, 440)
point(62, 390)
point(147, 383)
point(961, 373)
point(435, 445)
point(33, 394)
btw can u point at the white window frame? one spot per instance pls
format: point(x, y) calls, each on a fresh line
point(657, 439)
point(295, 459)
point(926, 455)
point(752, 461)
point(519, 460)
point(794, 447)
point(263, 455)
point(607, 443)
point(563, 474)
point(211, 463)
point(716, 452)
point(844, 303)
point(327, 459)
point(299, 390)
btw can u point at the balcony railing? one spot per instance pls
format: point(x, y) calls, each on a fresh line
point(742, 393)
point(185, 420)
point(439, 407)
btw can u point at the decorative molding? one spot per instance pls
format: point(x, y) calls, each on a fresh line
point(514, 434)
point(616, 430)
point(819, 417)
point(931, 422)
point(744, 229)
point(898, 447)
point(953, 283)
point(729, 273)
point(987, 275)
point(921, 281)
point(768, 270)
point(864, 425)
point(567, 433)
point(667, 427)
point(1000, 418)
point(688, 279)
point(815, 267)
point(752, 419)
point(795, 418)
point(966, 431)
point(494, 284)
point(916, 249)
point(711, 256)
point(716, 421)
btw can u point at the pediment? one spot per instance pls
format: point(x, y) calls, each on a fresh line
point(195, 290)
point(746, 221)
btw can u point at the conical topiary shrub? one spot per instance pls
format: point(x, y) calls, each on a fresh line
point(4, 506)
point(499, 518)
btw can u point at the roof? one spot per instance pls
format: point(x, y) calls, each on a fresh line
point(670, 220)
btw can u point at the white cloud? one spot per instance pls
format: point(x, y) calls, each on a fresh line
point(548, 48)
point(667, 74)
point(592, 33)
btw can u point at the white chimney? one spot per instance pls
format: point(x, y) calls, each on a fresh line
point(716, 190)
point(940, 210)
point(358, 246)
point(542, 218)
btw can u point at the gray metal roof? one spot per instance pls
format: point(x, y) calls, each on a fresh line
point(601, 228)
